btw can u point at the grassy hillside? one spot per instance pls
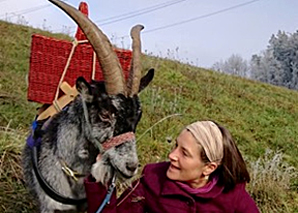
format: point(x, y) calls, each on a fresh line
point(262, 118)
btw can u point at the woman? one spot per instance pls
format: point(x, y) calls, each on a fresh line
point(206, 173)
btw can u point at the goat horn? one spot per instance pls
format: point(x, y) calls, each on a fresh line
point(134, 79)
point(111, 68)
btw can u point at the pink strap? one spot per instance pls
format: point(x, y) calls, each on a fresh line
point(119, 139)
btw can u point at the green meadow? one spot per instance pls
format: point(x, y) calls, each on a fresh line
point(262, 118)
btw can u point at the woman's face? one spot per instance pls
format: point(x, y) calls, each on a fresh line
point(186, 163)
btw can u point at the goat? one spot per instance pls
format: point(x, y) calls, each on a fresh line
point(100, 113)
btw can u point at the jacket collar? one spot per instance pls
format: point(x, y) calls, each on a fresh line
point(170, 187)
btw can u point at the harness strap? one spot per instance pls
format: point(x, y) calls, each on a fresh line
point(48, 189)
point(118, 140)
point(33, 142)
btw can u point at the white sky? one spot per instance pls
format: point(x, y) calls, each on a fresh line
point(244, 30)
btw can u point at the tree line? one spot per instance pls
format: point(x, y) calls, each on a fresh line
point(277, 65)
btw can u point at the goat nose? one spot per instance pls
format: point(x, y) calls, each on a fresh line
point(132, 166)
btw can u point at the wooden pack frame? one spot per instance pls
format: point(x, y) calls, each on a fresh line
point(56, 64)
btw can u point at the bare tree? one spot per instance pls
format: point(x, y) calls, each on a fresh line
point(234, 65)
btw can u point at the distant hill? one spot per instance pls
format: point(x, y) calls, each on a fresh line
point(259, 116)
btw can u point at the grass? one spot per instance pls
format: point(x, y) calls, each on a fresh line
point(259, 116)
point(13, 195)
point(271, 194)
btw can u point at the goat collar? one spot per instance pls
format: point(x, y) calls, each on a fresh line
point(118, 140)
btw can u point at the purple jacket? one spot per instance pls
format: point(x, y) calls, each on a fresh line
point(155, 193)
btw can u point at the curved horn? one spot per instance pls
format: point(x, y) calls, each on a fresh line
point(112, 71)
point(134, 79)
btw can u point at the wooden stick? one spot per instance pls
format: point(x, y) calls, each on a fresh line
point(70, 94)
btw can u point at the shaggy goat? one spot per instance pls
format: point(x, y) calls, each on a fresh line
point(102, 112)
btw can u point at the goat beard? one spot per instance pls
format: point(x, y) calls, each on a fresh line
point(103, 172)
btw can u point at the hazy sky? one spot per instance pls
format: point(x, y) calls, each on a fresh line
point(199, 31)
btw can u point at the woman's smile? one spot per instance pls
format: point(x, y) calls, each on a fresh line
point(172, 167)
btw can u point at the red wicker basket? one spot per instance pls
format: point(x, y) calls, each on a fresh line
point(48, 59)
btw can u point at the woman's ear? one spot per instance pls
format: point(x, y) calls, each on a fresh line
point(209, 168)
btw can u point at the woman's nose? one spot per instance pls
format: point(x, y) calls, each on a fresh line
point(173, 156)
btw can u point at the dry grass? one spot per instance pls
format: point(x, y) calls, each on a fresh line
point(13, 195)
point(271, 182)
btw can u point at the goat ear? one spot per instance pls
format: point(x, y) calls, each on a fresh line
point(84, 89)
point(146, 79)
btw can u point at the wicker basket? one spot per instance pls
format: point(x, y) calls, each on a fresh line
point(48, 59)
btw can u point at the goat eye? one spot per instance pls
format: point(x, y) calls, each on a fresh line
point(104, 116)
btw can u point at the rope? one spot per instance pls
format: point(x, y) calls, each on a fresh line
point(92, 139)
point(93, 65)
point(56, 105)
point(74, 45)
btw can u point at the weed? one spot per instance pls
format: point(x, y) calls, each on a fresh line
point(271, 181)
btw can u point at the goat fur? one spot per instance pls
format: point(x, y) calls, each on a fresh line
point(73, 139)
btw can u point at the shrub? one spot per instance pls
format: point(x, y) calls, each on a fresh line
point(271, 181)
